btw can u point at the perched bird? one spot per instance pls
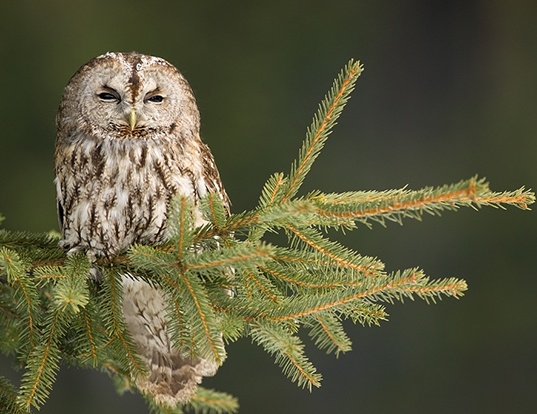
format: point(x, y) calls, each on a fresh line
point(128, 141)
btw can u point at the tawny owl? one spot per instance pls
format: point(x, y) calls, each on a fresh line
point(128, 141)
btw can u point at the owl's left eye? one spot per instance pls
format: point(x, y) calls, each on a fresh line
point(156, 98)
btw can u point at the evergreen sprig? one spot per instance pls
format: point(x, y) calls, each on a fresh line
point(224, 280)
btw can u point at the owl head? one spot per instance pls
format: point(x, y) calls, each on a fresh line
point(128, 95)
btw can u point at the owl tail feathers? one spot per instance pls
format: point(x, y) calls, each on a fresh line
point(172, 374)
point(174, 382)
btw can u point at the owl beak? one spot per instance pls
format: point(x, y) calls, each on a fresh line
point(132, 119)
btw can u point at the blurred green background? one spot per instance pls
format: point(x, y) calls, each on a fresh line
point(449, 90)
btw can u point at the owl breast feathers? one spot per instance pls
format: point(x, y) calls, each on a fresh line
point(128, 141)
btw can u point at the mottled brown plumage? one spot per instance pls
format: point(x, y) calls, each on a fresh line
point(128, 141)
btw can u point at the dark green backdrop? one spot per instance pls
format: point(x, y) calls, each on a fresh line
point(449, 91)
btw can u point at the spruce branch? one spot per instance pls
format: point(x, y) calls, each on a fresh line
point(321, 127)
point(328, 334)
point(279, 340)
point(212, 402)
point(395, 205)
point(125, 356)
point(25, 296)
point(225, 280)
point(8, 398)
point(42, 365)
point(204, 401)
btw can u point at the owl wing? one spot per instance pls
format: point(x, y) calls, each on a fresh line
point(212, 177)
point(59, 201)
point(61, 215)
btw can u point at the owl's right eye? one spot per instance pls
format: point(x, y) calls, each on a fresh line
point(109, 96)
